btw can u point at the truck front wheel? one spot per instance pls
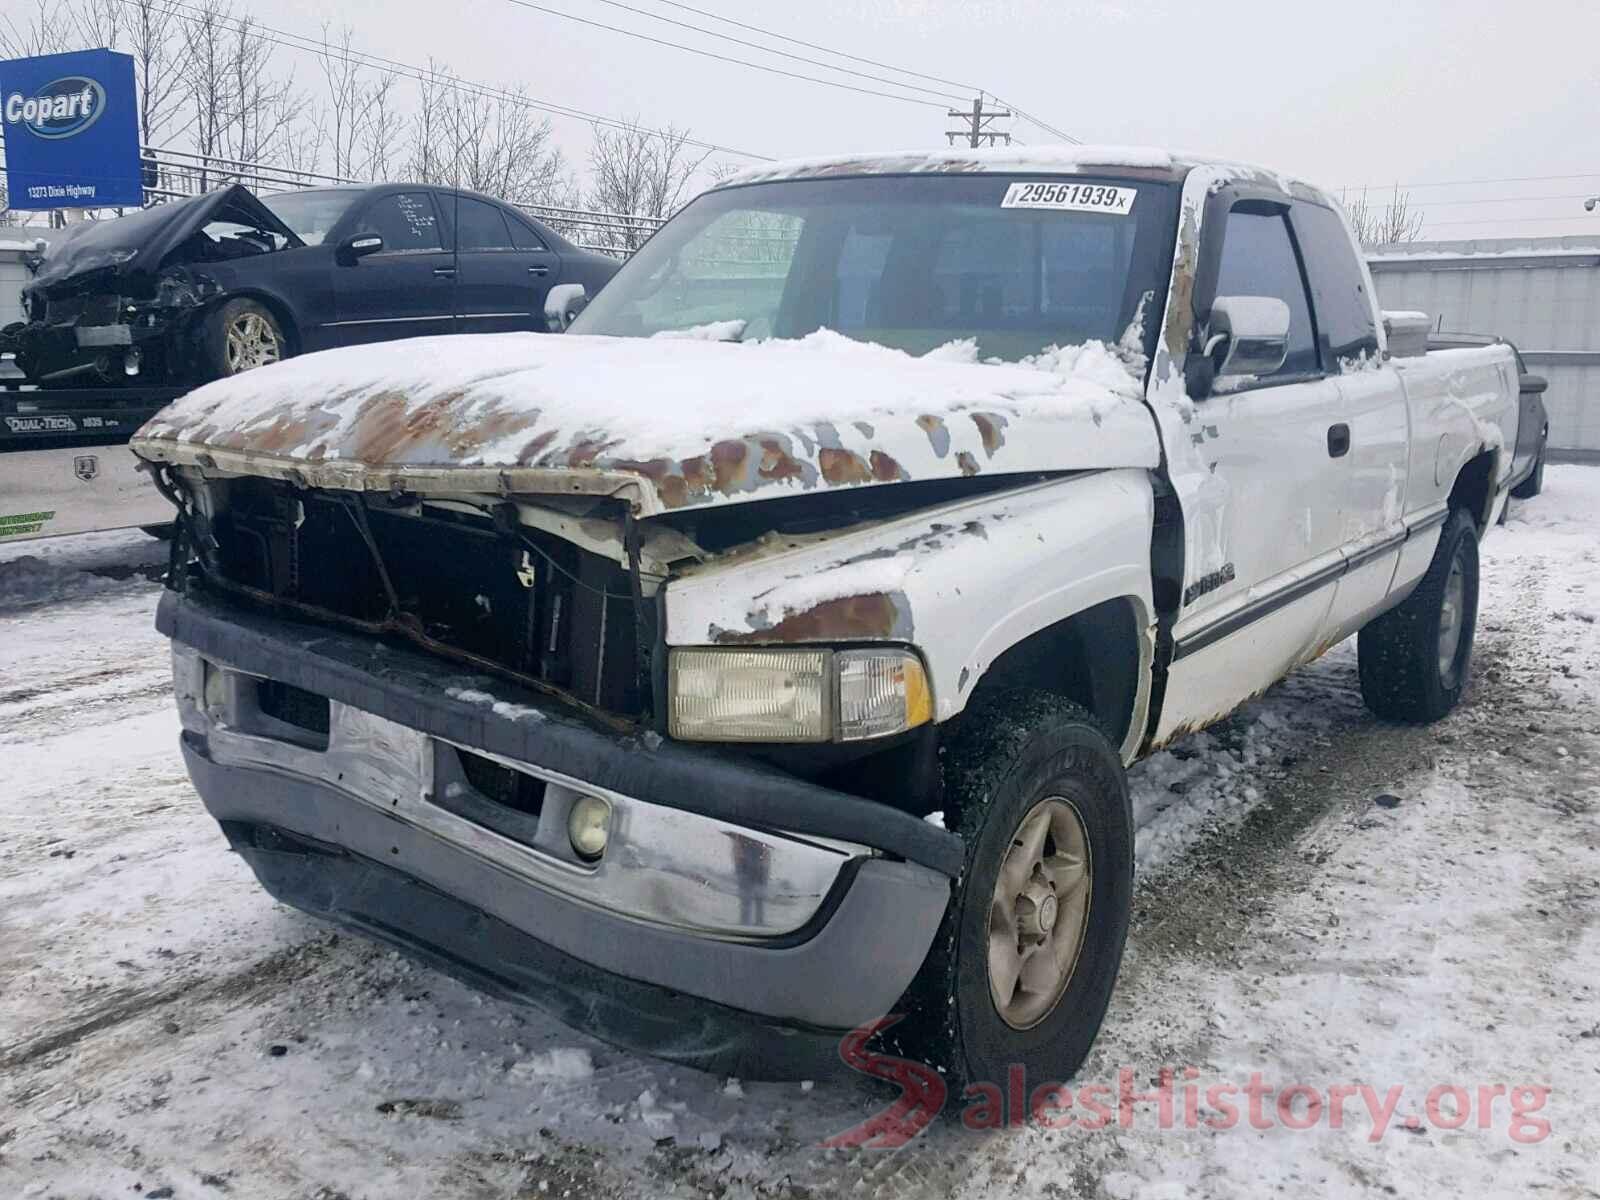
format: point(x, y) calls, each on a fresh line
point(1414, 659)
point(1024, 967)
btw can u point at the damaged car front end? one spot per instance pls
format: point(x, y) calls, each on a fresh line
point(127, 299)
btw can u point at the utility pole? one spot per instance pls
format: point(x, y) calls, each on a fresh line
point(977, 125)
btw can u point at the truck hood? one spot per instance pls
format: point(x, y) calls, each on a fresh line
point(663, 423)
point(141, 240)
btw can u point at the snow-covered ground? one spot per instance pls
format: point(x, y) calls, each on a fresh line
point(1327, 902)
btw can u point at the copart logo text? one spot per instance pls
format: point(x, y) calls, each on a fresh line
point(62, 108)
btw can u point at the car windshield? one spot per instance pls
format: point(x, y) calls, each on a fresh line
point(912, 262)
point(311, 214)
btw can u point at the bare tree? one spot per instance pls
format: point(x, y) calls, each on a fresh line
point(1394, 222)
point(48, 30)
point(148, 30)
point(641, 172)
point(483, 139)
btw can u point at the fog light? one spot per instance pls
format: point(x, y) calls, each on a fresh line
point(216, 692)
point(131, 362)
point(589, 825)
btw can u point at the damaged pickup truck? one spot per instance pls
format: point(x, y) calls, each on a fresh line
point(626, 671)
point(205, 288)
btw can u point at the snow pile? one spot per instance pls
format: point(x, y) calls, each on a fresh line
point(563, 1062)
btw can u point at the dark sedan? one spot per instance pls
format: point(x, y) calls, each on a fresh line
point(202, 288)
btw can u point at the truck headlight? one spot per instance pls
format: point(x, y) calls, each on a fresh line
point(784, 695)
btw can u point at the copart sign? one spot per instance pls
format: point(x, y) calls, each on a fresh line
point(71, 131)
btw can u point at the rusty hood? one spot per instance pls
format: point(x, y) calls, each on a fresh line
point(663, 423)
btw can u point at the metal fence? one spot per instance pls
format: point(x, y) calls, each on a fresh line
point(1543, 294)
point(177, 174)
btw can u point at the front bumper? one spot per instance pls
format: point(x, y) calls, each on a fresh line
point(740, 920)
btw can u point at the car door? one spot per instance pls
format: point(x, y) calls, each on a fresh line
point(500, 285)
point(405, 289)
point(1263, 503)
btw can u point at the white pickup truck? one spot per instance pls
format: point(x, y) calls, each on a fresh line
point(619, 671)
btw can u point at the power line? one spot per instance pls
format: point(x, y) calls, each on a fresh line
point(1576, 217)
point(1033, 120)
point(815, 62)
point(871, 62)
point(308, 45)
point(1362, 187)
point(645, 37)
point(1504, 200)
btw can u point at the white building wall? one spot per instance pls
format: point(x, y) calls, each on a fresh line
point(1543, 294)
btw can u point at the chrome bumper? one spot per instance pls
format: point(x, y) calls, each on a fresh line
point(660, 865)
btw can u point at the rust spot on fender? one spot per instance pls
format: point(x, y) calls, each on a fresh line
point(875, 616)
point(968, 464)
point(842, 466)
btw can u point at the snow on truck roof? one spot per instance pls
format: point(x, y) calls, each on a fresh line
point(1000, 160)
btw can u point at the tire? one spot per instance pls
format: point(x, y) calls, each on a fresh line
point(1534, 483)
point(1412, 668)
point(240, 336)
point(1018, 755)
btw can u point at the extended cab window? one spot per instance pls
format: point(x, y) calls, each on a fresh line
point(479, 226)
point(1345, 321)
point(405, 221)
point(1258, 259)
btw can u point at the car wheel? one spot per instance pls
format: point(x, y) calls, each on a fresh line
point(1024, 967)
point(242, 335)
point(1534, 483)
point(1414, 660)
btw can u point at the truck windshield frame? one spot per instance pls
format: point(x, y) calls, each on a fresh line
point(913, 262)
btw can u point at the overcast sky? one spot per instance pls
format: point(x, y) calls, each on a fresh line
point(1376, 92)
point(1355, 92)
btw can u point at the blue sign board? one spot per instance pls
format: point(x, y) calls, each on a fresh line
point(71, 125)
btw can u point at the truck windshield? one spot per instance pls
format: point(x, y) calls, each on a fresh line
point(911, 262)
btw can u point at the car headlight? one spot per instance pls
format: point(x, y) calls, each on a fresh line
point(784, 695)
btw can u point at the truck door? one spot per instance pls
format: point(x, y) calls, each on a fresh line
point(1259, 467)
point(1372, 526)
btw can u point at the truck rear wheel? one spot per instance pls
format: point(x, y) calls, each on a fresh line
point(1024, 966)
point(1415, 659)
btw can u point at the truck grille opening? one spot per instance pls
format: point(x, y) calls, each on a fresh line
point(543, 609)
point(293, 706)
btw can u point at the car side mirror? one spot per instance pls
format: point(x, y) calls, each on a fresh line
point(358, 247)
point(1533, 385)
point(562, 305)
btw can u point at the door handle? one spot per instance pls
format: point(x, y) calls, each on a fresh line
point(1338, 440)
point(538, 270)
point(444, 272)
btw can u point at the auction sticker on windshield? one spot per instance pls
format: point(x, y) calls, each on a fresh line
point(1071, 197)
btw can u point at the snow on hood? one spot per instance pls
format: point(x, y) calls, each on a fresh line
point(676, 423)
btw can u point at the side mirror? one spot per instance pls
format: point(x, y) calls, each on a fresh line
point(358, 247)
point(562, 305)
point(1533, 385)
point(1250, 333)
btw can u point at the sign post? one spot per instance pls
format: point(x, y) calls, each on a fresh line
point(71, 127)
